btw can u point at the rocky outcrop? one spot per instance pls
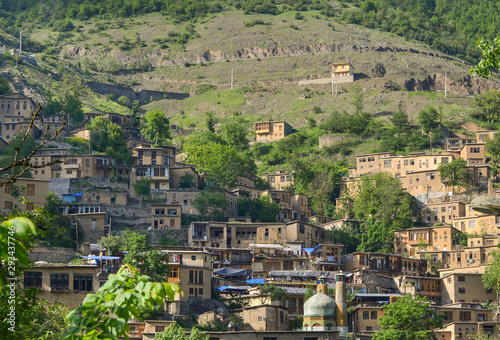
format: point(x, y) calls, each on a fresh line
point(465, 85)
point(159, 57)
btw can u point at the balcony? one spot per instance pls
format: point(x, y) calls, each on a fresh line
point(59, 289)
point(201, 236)
point(72, 166)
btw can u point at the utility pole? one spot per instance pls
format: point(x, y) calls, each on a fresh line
point(445, 74)
point(332, 83)
point(232, 76)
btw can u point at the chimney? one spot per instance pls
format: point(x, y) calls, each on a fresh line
point(341, 302)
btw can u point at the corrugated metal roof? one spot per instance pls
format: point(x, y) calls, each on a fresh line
point(301, 273)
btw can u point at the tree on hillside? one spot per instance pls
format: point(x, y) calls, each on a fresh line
point(142, 187)
point(72, 106)
point(401, 122)
point(187, 181)
point(493, 148)
point(455, 173)
point(210, 204)
point(157, 128)
point(221, 164)
point(358, 98)
point(4, 86)
point(235, 135)
point(319, 180)
point(382, 207)
point(107, 137)
point(261, 209)
point(140, 253)
point(491, 276)
point(429, 120)
point(125, 101)
point(275, 293)
point(491, 58)
point(345, 235)
point(211, 120)
point(143, 256)
point(175, 332)
point(409, 318)
point(488, 104)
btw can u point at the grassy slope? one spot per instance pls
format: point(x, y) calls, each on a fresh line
point(274, 93)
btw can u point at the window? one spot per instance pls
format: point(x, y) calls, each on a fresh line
point(261, 318)
point(472, 224)
point(172, 212)
point(8, 189)
point(373, 315)
point(159, 329)
point(33, 279)
point(448, 315)
point(159, 211)
point(8, 204)
point(369, 328)
point(174, 272)
point(461, 278)
point(465, 316)
point(301, 228)
point(82, 283)
point(366, 315)
point(69, 172)
point(59, 282)
point(475, 150)
point(30, 190)
point(191, 276)
point(461, 290)
point(193, 258)
point(30, 206)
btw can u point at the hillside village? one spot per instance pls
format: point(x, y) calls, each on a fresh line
point(219, 264)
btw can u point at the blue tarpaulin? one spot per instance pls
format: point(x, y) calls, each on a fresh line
point(242, 288)
point(256, 281)
point(78, 194)
point(310, 250)
point(95, 257)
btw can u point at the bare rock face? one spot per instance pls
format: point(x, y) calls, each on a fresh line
point(466, 85)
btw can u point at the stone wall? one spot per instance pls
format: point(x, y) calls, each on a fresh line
point(142, 96)
point(338, 80)
point(52, 255)
point(59, 186)
point(330, 140)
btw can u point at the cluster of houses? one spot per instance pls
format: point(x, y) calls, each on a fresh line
point(226, 263)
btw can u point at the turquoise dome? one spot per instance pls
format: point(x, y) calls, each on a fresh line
point(320, 305)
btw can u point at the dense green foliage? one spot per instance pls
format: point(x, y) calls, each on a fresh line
point(409, 318)
point(176, 332)
point(455, 173)
point(261, 209)
point(109, 138)
point(210, 204)
point(140, 253)
point(449, 26)
point(157, 128)
point(381, 207)
point(490, 58)
point(123, 295)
